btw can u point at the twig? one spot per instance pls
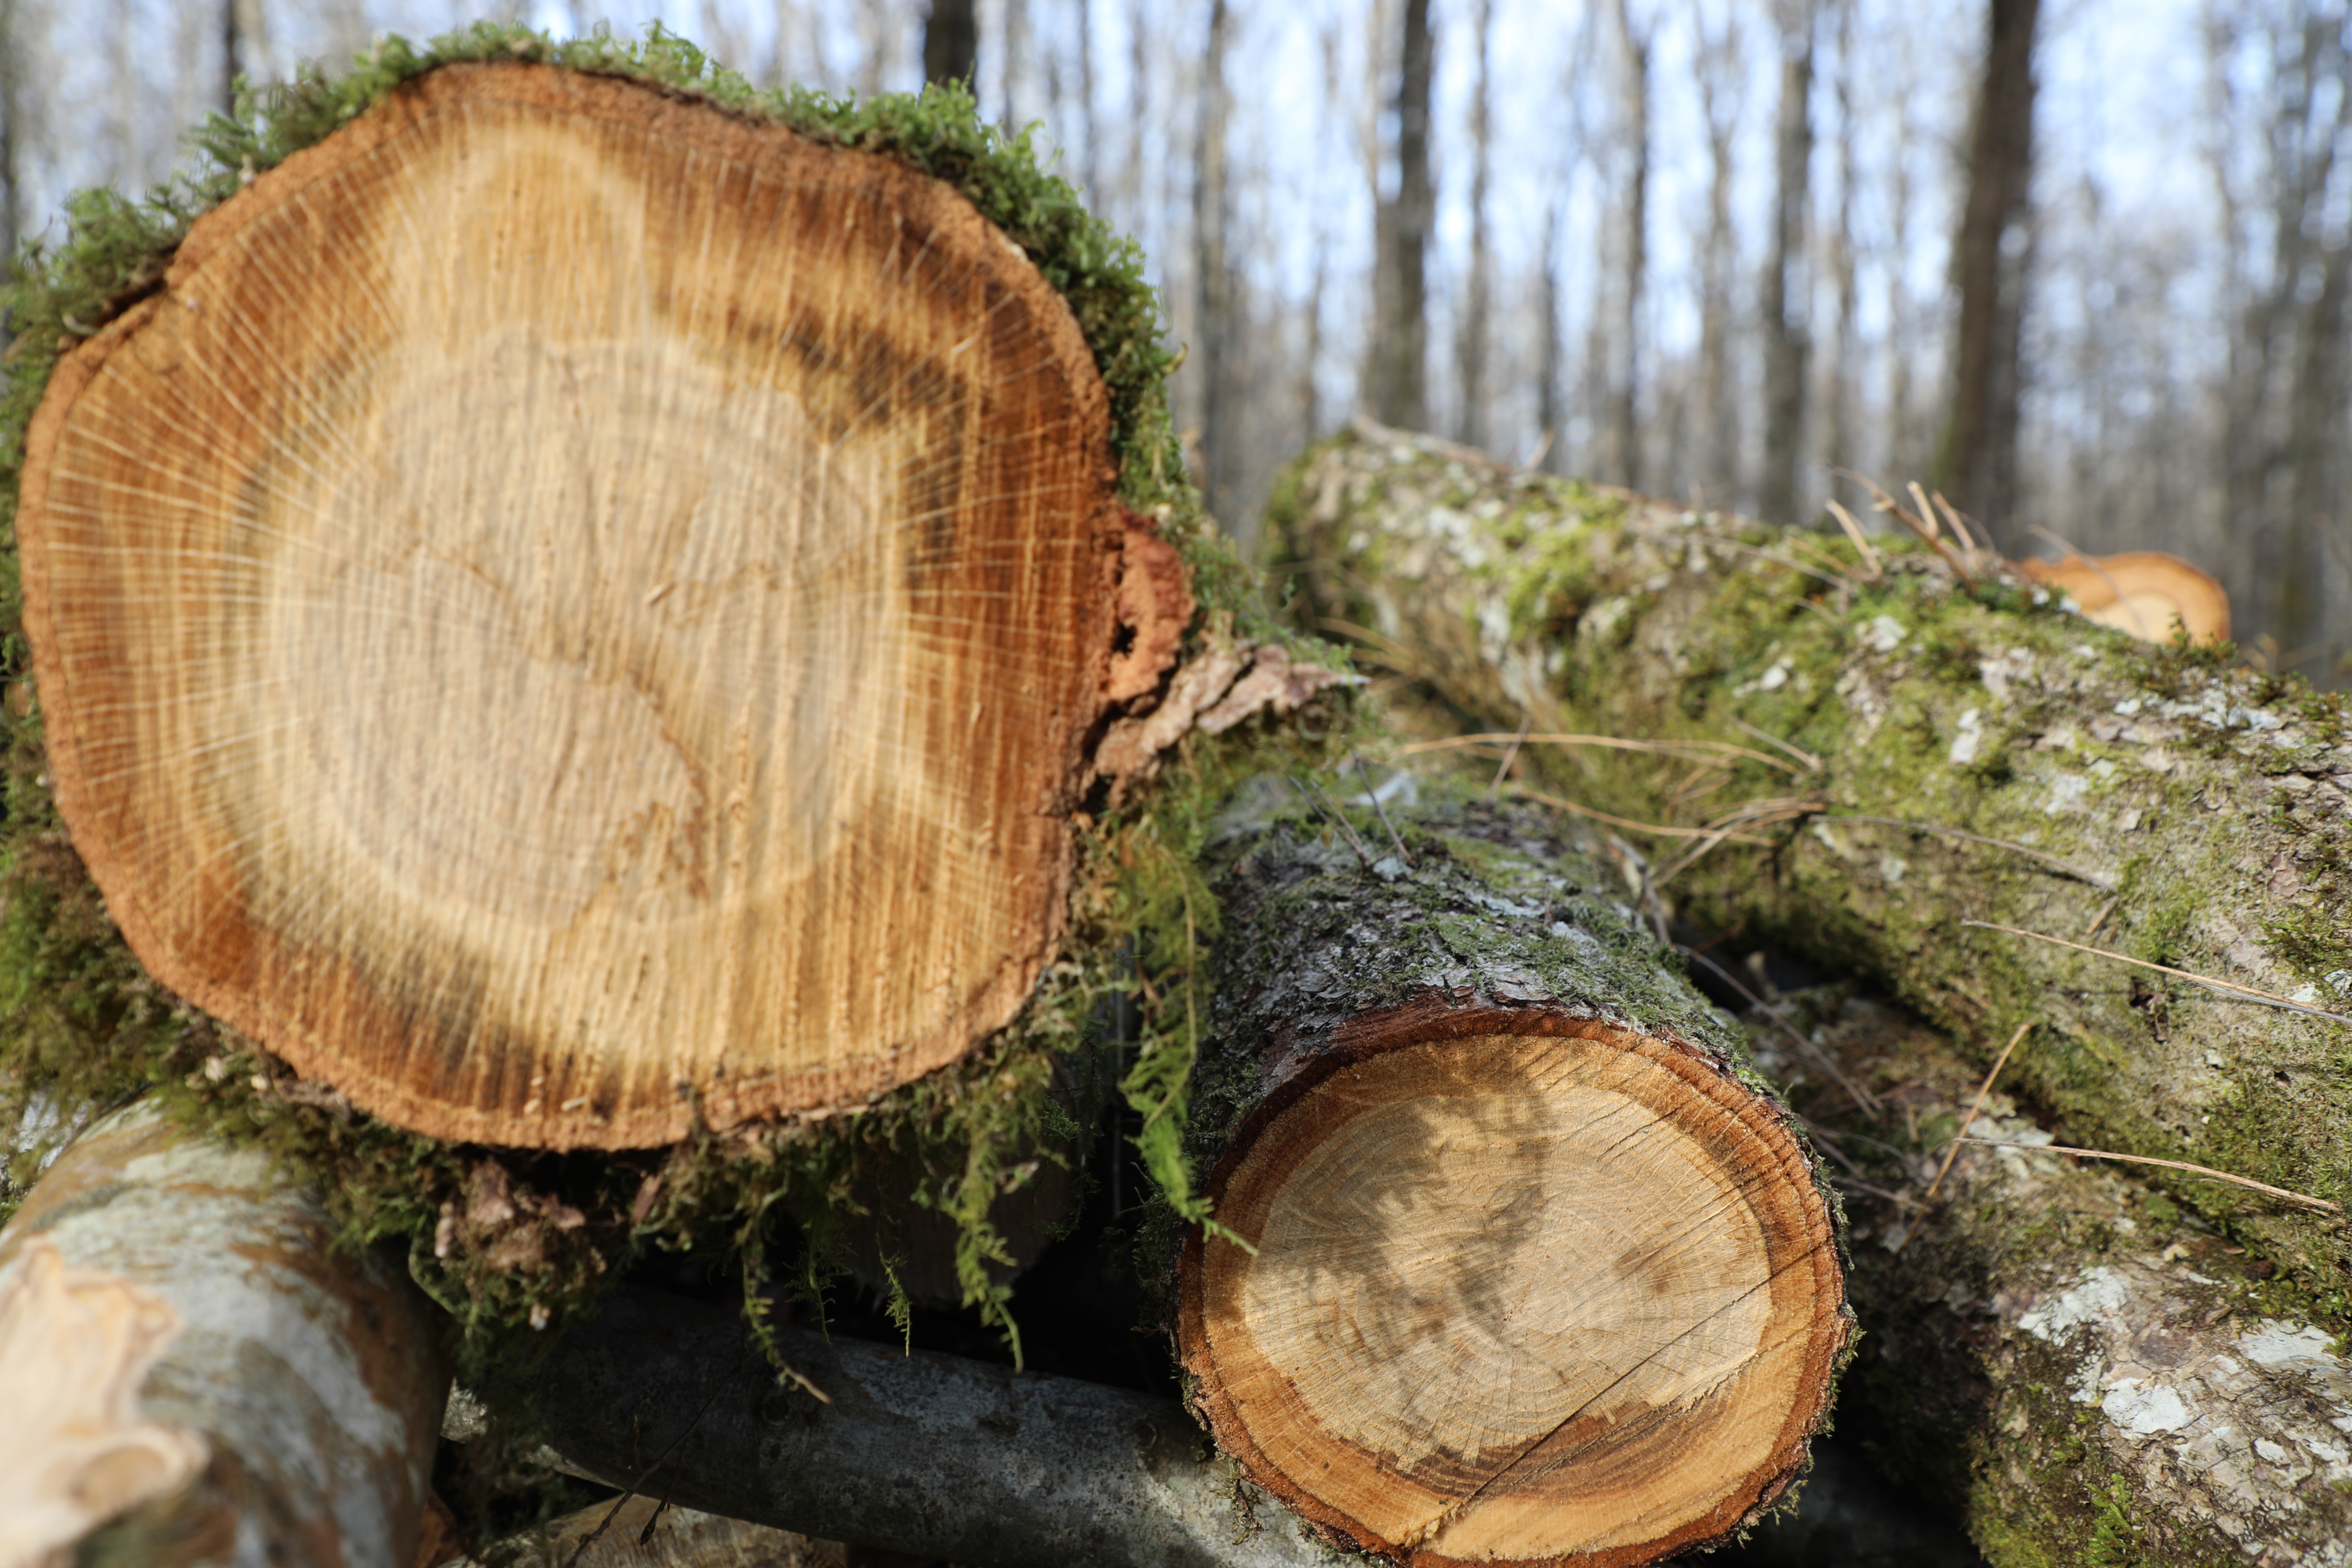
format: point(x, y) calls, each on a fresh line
point(1967, 1122)
point(1861, 540)
point(2104, 911)
point(1812, 764)
point(2099, 879)
point(1315, 799)
point(1861, 1097)
point(1689, 751)
point(1628, 824)
point(1374, 796)
point(1526, 722)
point(1929, 535)
point(2271, 998)
point(2324, 1206)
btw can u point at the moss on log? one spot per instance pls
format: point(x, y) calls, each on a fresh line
point(1852, 762)
point(2060, 1354)
point(1513, 1262)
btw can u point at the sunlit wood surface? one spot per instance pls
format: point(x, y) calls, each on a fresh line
point(1519, 1299)
point(572, 612)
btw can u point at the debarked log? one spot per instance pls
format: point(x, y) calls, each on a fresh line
point(1514, 1260)
point(191, 1372)
point(1873, 758)
point(924, 1453)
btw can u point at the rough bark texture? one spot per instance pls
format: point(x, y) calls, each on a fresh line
point(2165, 807)
point(2088, 1375)
point(922, 1454)
point(1513, 1263)
point(641, 1532)
point(414, 671)
point(191, 1374)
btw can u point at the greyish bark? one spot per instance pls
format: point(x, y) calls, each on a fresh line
point(185, 1356)
point(1900, 752)
point(2062, 1356)
point(923, 1454)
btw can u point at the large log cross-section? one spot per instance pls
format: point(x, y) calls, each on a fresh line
point(571, 610)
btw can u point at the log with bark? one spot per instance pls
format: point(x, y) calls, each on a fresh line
point(2054, 1349)
point(191, 1372)
point(1872, 752)
point(1513, 1261)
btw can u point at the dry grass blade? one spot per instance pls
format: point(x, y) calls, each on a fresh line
point(2271, 998)
point(2323, 1205)
point(1510, 756)
point(1333, 816)
point(1374, 796)
point(2100, 879)
point(1656, 830)
point(1751, 814)
point(1689, 751)
point(1812, 764)
point(1860, 541)
point(1967, 1122)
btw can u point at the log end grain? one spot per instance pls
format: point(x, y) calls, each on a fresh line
point(1524, 1288)
point(573, 612)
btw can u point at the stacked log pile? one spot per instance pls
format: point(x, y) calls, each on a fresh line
point(1874, 760)
point(608, 661)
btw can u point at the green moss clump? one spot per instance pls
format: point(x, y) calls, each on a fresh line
point(82, 1024)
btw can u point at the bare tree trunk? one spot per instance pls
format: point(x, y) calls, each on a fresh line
point(1089, 160)
point(1716, 64)
point(1471, 341)
point(1015, 68)
point(1784, 305)
point(1550, 410)
point(1976, 466)
point(1624, 396)
point(950, 41)
point(232, 53)
point(12, 136)
point(1212, 279)
point(1396, 386)
point(1839, 446)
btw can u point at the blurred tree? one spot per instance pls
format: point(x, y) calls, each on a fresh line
point(1212, 278)
point(1478, 289)
point(1395, 372)
point(950, 41)
point(1623, 464)
point(1977, 465)
point(1718, 73)
point(1783, 299)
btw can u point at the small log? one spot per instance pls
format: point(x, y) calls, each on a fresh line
point(2058, 1354)
point(1513, 1263)
point(572, 612)
point(191, 1372)
point(641, 1531)
point(1849, 759)
point(927, 1455)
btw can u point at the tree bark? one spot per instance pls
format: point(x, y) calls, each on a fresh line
point(677, 708)
point(2086, 1374)
point(1214, 301)
point(1625, 389)
point(1443, 1064)
point(950, 41)
point(1470, 337)
point(1396, 389)
point(193, 1371)
point(1850, 765)
point(1786, 305)
point(1977, 464)
point(922, 1454)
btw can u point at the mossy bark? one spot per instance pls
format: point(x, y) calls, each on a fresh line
point(1456, 1097)
point(2084, 1372)
point(2151, 800)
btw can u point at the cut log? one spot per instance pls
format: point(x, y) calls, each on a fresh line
point(192, 1373)
point(570, 611)
point(1511, 1263)
point(2058, 1352)
point(923, 1454)
point(1851, 763)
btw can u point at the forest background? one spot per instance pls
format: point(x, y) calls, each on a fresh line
point(2083, 265)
